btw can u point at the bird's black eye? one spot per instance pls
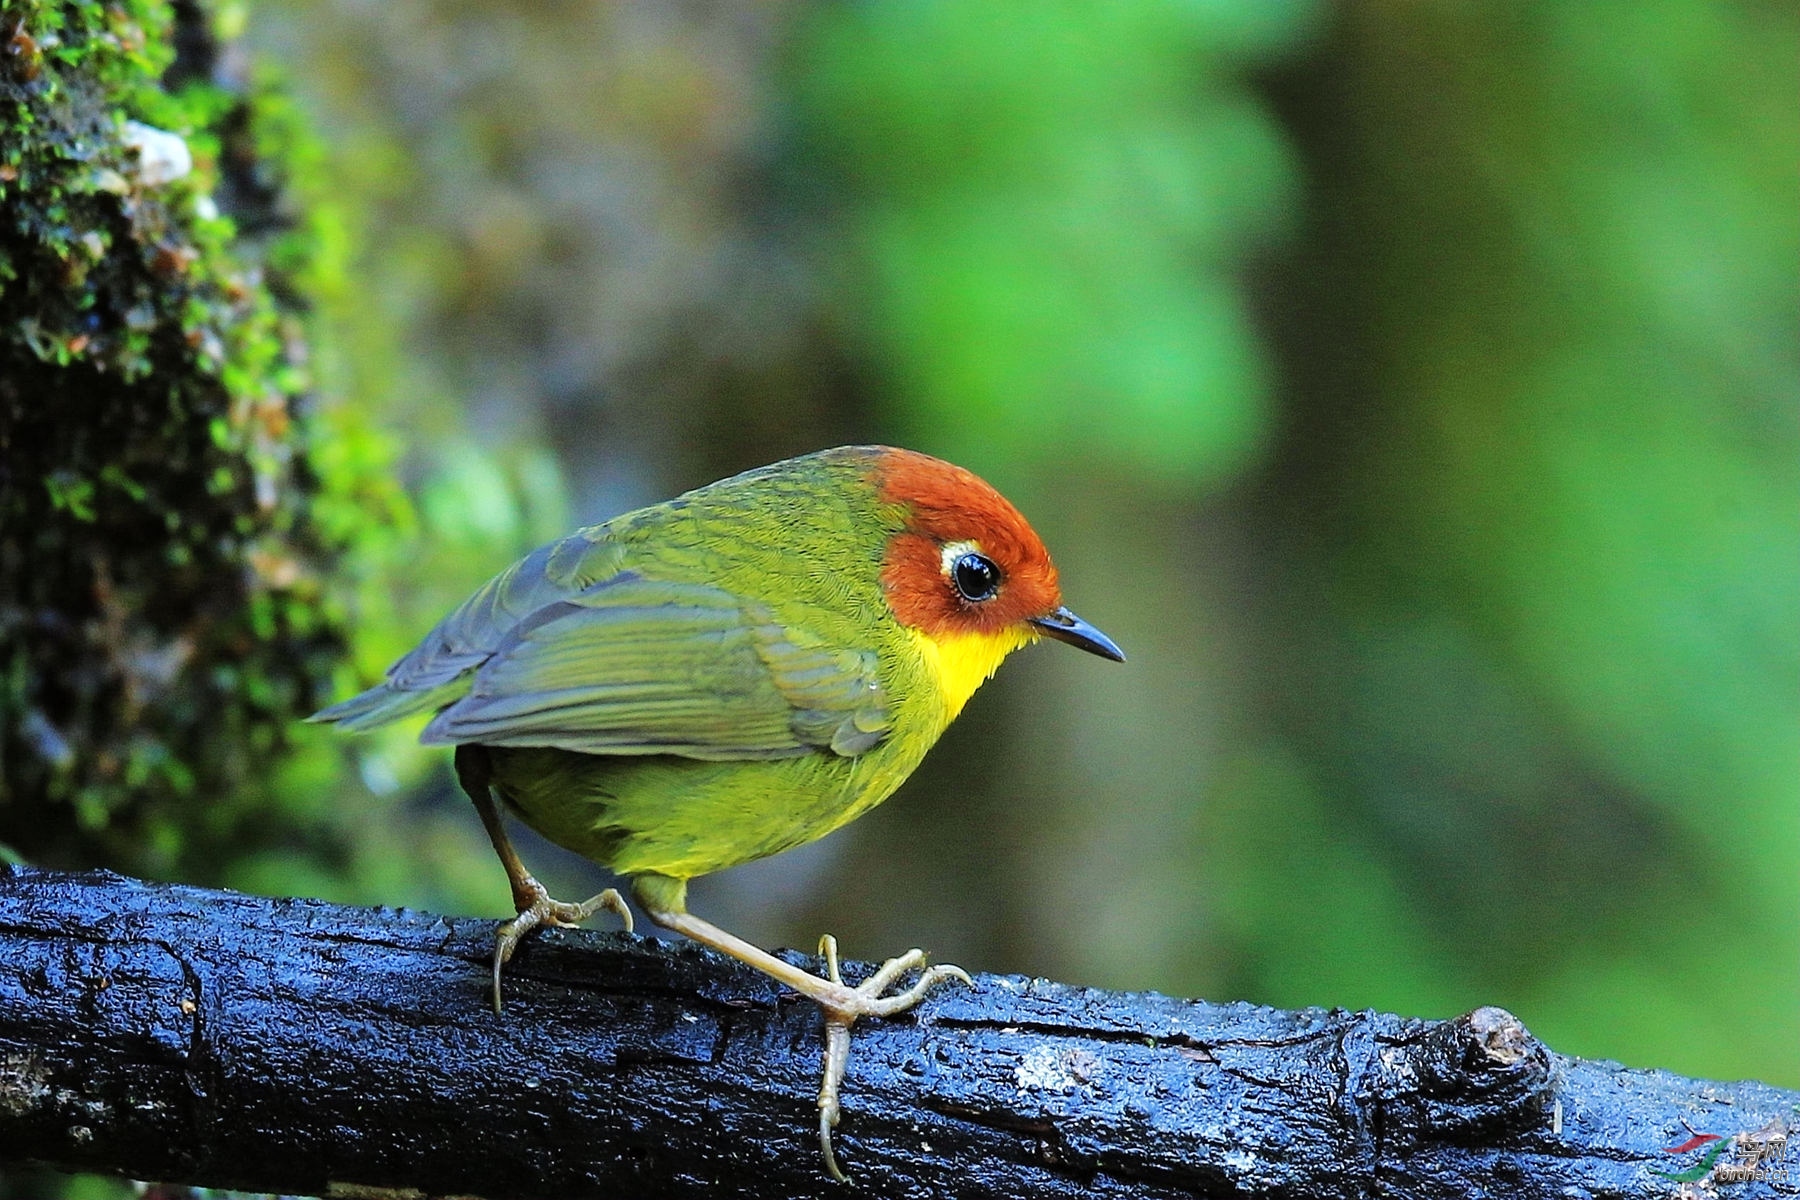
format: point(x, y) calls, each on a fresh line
point(976, 577)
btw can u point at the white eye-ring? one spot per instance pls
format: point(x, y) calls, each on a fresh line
point(953, 551)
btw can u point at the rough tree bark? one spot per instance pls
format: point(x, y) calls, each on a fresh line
point(177, 1034)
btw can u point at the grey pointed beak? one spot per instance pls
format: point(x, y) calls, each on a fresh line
point(1065, 626)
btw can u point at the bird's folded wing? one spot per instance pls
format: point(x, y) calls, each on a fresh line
point(637, 666)
point(467, 637)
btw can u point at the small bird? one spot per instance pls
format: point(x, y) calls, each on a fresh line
point(726, 675)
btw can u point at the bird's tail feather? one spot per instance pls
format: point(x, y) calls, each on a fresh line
point(383, 704)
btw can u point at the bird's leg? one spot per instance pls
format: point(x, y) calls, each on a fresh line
point(665, 900)
point(531, 899)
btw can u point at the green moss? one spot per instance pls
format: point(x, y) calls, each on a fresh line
point(173, 503)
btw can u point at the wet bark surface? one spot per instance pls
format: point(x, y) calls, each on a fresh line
point(178, 1034)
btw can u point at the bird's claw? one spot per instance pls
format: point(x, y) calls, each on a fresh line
point(536, 907)
point(864, 1000)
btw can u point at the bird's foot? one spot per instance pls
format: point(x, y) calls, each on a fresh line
point(536, 907)
point(843, 1004)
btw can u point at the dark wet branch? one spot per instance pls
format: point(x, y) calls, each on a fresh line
point(176, 1034)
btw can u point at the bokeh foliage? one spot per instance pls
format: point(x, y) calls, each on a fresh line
point(1549, 465)
point(1043, 208)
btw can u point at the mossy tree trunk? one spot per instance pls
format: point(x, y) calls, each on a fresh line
point(160, 618)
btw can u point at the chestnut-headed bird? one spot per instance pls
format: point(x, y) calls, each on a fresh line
point(726, 675)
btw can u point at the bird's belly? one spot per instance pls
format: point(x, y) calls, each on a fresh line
point(684, 817)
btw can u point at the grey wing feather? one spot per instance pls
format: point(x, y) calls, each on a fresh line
point(467, 637)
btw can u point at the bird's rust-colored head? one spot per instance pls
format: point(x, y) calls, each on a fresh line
point(969, 573)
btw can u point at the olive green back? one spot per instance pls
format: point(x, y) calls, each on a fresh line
point(741, 620)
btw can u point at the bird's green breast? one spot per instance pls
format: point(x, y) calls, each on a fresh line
point(686, 817)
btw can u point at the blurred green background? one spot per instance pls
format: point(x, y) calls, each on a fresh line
point(1412, 390)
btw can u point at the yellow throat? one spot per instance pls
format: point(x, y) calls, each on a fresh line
point(962, 662)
